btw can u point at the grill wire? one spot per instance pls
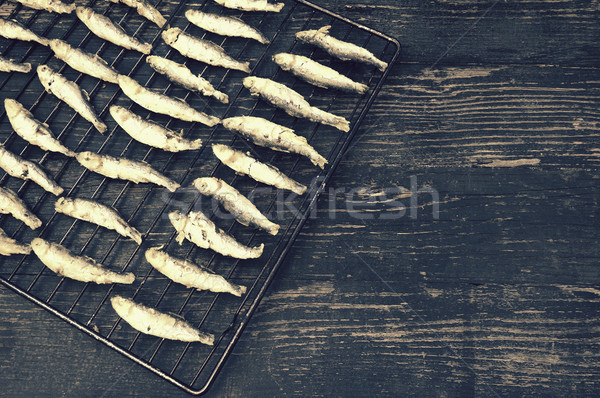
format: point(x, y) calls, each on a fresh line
point(192, 367)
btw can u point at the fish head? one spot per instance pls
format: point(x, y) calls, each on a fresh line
point(83, 13)
point(64, 205)
point(222, 151)
point(12, 107)
point(40, 246)
point(89, 160)
point(250, 82)
point(154, 254)
point(118, 112)
point(129, 85)
point(284, 60)
point(234, 123)
point(121, 305)
point(177, 219)
point(59, 47)
point(207, 185)
point(45, 74)
point(170, 35)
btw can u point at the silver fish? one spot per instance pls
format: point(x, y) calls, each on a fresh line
point(124, 169)
point(180, 74)
point(234, 202)
point(14, 30)
point(261, 172)
point(160, 103)
point(69, 92)
point(198, 229)
point(224, 26)
point(251, 5)
point(84, 62)
point(202, 50)
point(32, 130)
point(145, 10)
point(65, 263)
point(268, 134)
point(106, 29)
point(292, 103)
point(151, 133)
point(317, 74)
point(56, 6)
point(338, 48)
point(153, 322)
point(11, 204)
point(7, 65)
point(99, 214)
point(190, 274)
point(9, 246)
point(18, 167)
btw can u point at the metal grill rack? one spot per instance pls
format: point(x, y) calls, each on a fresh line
point(191, 367)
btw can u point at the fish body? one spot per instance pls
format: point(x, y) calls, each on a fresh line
point(18, 167)
point(65, 263)
point(151, 133)
point(11, 204)
point(235, 203)
point(153, 322)
point(32, 130)
point(202, 50)
point(224, 26)
point(180, 74)
point(56, 6)
point(124, 169)
point(317, 74)
point(106, 29)
point(291, 102)
point(261, 172)
point(84, 62)
point(160, 103)
point(251, 5)
point(7, 65)
point(198, 229)
point(98, 214)
point(271, 135)
point(338, 48)
point(9, 246)
point(191, 275)
point(145, 10)
point(69, 92)
point(14, 30)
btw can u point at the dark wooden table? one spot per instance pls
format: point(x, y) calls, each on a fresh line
point(494, 109)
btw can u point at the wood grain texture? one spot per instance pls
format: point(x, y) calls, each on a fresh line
point(495, 107)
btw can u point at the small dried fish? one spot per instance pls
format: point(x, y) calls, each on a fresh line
point(99, 214)
point(198, 229)
point(32, 130)
point(151, 133)
point(7, 65)
point(202, 50)
point(65, 263)
point(338, 48)
point(48, 5)
point(234, 202)
point(84, 62)
point(106, 29)
point(9, 246)
point(153, 322)
point(291, 102)
point(268, 134)
point(14, 30)
point(317, 74)
point(251, 5)
point(11, 204)
point(160, 103)
point(69, 92)
point(224, 26)
point(124, 169)
point(145, 10)
point(190, 274)
point(180, 74)
point(18, 167)
point(261, 172)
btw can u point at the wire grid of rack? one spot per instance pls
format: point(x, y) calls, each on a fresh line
point(191, 367)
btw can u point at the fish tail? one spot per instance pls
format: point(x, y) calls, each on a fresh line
point(43, 41)
point(273, 229)
point(239, 290)
point(146, 48)
point(381, 65)
point(318, 160)
point(172, 186)
point(100, 126)
point(245, 67)
point(341, 124)
point(222, 97)
point(298, 188)
point(196, 144)
point(361, 88)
